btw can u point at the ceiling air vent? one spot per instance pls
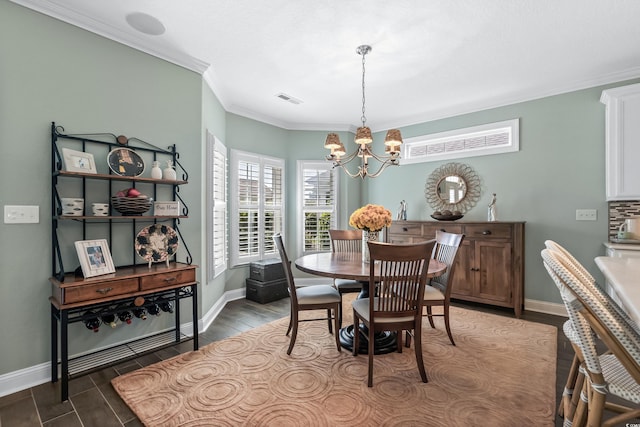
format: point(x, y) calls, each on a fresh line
point(288, 98)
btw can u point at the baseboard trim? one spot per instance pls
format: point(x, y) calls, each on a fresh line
point(22, 379)
point(545, 307)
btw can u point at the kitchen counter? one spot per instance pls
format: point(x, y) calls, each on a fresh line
point(622, 246)
point(623, 276)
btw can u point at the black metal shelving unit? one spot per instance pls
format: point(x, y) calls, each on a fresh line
point(168, 288)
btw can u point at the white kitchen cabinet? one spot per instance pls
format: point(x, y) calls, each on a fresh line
point(622, 142)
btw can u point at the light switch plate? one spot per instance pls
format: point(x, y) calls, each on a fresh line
point(586, 214)
point(14, 214)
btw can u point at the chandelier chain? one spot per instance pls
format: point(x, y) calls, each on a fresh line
point(363, 118)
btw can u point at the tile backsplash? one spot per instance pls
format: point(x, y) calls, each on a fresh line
point(619, 211)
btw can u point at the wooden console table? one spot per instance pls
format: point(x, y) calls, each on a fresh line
point(490, 262)
point(127, 288)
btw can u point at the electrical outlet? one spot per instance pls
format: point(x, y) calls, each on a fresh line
point(586, 214)
point(21, 214)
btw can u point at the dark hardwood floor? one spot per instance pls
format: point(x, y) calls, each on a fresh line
point(93, 402)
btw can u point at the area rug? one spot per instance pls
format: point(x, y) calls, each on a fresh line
point(500, 373)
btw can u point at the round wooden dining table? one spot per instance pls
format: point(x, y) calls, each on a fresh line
point(343, 265)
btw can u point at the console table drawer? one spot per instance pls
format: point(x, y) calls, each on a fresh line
point(408, 228)
point(167, 279)
point(429, 229)
point(85, 292)
point(489, 231)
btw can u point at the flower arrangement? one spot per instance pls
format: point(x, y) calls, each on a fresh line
point(370, 218)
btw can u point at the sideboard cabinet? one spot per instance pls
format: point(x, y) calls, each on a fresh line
point(490, 263)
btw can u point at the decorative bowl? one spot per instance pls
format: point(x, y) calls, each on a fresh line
point(131, 205)
point(446, 217)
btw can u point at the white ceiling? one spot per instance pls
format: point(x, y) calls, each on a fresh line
point(430, 58)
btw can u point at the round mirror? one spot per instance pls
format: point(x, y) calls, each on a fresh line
point(452, 187)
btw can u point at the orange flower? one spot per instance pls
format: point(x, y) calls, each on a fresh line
point(370, 218)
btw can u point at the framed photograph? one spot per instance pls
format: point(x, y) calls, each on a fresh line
point(166, 208)
point(78, 161)
point(125, 162)
point(95, 257)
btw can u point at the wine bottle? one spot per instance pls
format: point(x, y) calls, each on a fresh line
point(125, 316)
point(166, 306)
point(140, 313)
point(91, 321)
point(109, 319)
point(154, 309)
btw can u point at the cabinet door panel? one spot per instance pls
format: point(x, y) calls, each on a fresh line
point(463, 276)
point(493, 259)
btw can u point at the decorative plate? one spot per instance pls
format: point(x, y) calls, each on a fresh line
point(125, 162)
point(156, 243)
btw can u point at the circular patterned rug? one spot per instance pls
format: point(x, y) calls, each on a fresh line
point(500, 373)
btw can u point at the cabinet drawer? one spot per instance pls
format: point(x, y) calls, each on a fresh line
point(489, 231)
point(405, 228)
point(429, 230)
point(167, 279)
point(86, 292)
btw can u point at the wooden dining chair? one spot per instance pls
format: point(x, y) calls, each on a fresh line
point(349, 241)
point(438, 291)
point(399, 273)
point(616, 372)
point(314, 297)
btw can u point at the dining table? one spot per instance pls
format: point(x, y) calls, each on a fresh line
point(346, 265)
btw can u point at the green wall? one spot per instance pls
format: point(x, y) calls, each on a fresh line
point(51, 71)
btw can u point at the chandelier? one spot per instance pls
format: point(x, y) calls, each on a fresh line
point(363, 138)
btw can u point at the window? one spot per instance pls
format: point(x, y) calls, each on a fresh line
point(492, 138)
point(258, 204)
point(217, 206)
point(318, 193)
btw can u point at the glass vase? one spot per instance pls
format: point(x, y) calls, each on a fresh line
point(368, 236)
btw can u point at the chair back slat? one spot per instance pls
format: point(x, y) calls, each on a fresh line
point(346, 240)
point(286, 265)
point(400, 273)
point(445, 250)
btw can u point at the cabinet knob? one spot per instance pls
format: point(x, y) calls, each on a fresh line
point(443, 230)
point(405, 229)
point(486, 232)
point(104, 290)
point(170, 279)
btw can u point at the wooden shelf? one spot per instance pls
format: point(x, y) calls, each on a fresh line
point(112, 217)
point(118, 178)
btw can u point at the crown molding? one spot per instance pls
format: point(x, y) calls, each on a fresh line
point(89, 23)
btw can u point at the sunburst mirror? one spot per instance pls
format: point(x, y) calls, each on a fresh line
point(453, 187)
